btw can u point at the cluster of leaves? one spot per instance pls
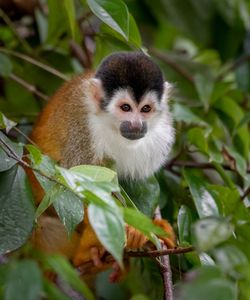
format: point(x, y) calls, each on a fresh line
point(203, 48)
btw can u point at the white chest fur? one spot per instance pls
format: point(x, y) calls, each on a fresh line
point(134, 159)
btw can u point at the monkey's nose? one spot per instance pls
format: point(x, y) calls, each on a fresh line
point(135, 126)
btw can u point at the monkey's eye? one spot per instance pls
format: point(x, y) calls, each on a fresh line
point(146, 109)
point(125, 107)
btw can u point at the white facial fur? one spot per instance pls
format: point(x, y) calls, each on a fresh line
point(135, 159)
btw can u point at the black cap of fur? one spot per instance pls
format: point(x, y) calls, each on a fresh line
point(132, 70)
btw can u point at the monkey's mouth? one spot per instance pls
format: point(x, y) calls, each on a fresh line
point(133, 135)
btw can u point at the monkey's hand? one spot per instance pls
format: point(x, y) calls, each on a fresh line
point(136, 239)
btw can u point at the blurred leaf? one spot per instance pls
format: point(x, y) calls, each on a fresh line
point(211, 231)
point(16, 209)
point(184, 114)
point(228, 257)
point(115, 14)
point(6, 123)
point(244, 120)
point(134, 34)
point(109, 228)
point(64, 269)
point(5, 65)
point(56, 20)
point(204, 85)
point(231, 114)
point(53, 292)
point(208, 283)
point(70, 11)
point(198, 137)
point(7, 162)
point(139, 297)
point(24, 281)
point(204, 201)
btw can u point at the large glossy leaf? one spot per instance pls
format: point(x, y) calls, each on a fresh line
point(24, 281)
point(110, 229)
point(211, 231)
point(184, 224)
point(63, 268)
point(114, 13)
point(69, 208)
point(16, 209)
point(144, 194)
point(204, 201)
point(10, 147)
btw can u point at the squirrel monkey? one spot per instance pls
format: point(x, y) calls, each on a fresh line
point(119, 113)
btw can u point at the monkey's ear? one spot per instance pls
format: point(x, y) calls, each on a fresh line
point(168, 88)
point(95, 90)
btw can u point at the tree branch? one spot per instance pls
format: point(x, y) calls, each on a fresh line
point(35, 62)
point(29, 87)
point(169, 61)
point(166, 268)
point(198, 165)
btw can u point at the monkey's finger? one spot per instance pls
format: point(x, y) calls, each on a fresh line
point(116, 274)
point(96, 257)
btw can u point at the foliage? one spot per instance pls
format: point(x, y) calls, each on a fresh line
point(203, 49)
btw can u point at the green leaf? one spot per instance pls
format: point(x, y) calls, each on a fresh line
point(63, 268)
point(35, 154)
point(70, 11)
point(113, 13)
point(56, 21)
point(69, 208)
point(144, 194)
point(244, 120)
point(16, 209)
point(184, 224)
point(95, 173)
point(5, 65)
point(198, 137)
point(203, 200)
point(24, 281)
point(184, 114)
point(204, 86)
point(110, 229)
point(7, 162)
point(134, 34)
point(231, 114)
point(6, 123)
point(143, 224)
point(211, 231)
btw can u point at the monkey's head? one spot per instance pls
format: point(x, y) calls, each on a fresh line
point(129, 87)
point(130, 95)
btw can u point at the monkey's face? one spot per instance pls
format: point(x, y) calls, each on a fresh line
point(132, 119)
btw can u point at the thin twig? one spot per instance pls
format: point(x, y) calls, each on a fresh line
point(166, 268)
point(24, 135)
point(35, 62)
point(198, 165)
point(12, 27)
point(29, 87)
point(169, 61)
point(246, 193)
point(157, 253)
